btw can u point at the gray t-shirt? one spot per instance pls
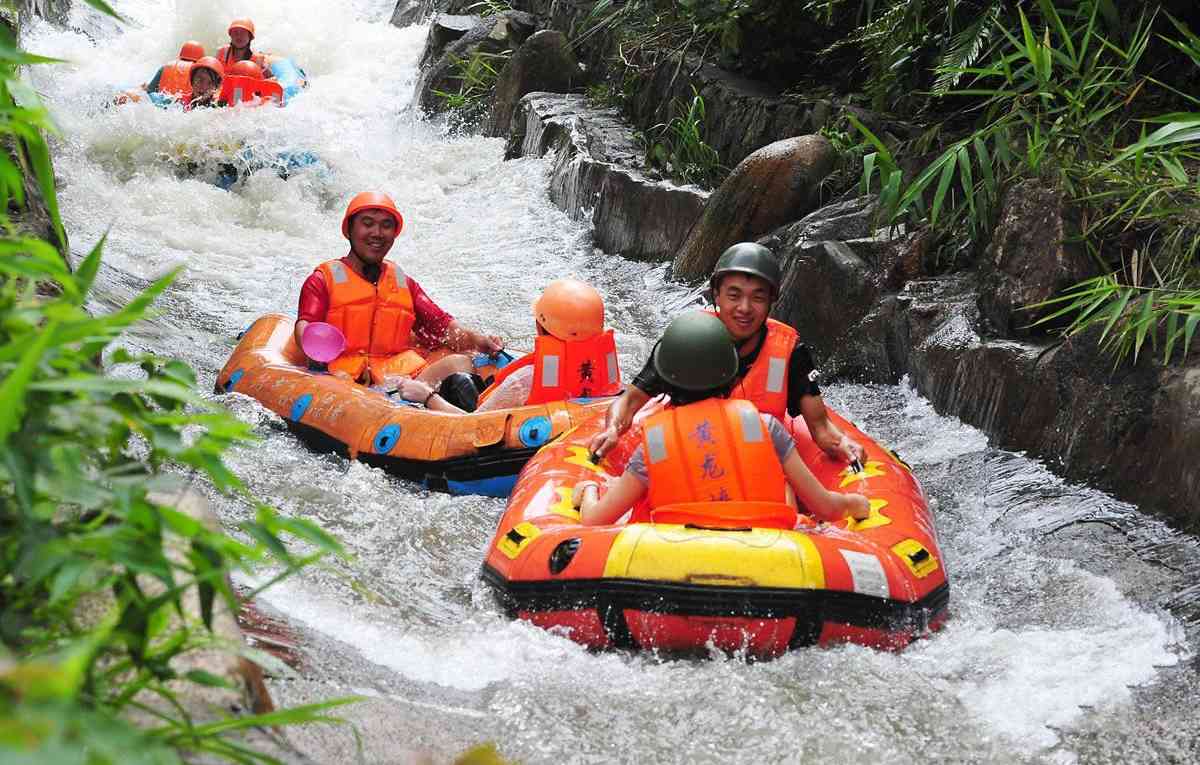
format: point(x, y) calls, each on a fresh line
point(781, 439)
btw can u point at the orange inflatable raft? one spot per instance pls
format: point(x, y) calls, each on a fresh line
point(715, 581)
point(478, 453)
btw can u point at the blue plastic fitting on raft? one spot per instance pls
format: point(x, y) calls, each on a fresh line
point(386, 439)
point(535, 431)
point(301, 406)
point(233, 379)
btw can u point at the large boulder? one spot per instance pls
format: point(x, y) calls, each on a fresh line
point(1031, 259)
point(543, 63)
point(490, 36)
point(774, 185)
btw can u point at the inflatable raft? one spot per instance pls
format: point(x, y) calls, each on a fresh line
point(700, 582)
point(478, 453)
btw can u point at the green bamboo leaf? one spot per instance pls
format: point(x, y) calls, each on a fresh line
point(1144, 322)
point(268, 540)
point(943, 186)
point(868, 172)
point(1118, 308)
point(886, 161)
point(12, 391)
point(890, 195)
point(43, 170)
point(1030, 45)
point(1173, 333)
point(1189, 328)
point(85, 274)
point(967, 179)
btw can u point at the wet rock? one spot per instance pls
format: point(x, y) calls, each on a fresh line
point(1131, 430)
point(445, 29)
point(597, 176)
point(545, 63)
point(774, 185)
point(1030, 259)
point(410, 12)
point(490, 36)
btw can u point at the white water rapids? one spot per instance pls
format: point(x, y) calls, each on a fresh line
point(1068, 640)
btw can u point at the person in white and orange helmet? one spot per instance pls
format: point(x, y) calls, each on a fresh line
point(387, 319)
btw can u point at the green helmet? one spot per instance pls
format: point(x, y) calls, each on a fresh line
point(748, 258)
point(696, 353)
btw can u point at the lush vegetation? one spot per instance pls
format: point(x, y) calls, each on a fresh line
point(87, 450)
point(1093, 96)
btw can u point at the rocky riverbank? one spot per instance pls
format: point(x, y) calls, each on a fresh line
point(875, 305)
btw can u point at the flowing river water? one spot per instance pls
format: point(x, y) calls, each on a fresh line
point(1075, 619)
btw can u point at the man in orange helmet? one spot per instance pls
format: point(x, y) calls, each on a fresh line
point(241, 33)
point(574, 356)
point(174, 79)
point(387, 319)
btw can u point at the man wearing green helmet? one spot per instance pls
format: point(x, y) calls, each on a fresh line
point(775, 370)
point(710, 458)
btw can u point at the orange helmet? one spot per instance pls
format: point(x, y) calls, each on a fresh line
point(245, 24)
point(371, 200)
point(246, 69)
point(209, 63)
point(191, 51)
point(570, 310)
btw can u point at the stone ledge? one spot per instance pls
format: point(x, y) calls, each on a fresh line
point(597, 176)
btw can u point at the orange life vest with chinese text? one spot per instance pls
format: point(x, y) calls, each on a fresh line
point(713, 462)
point(563, 370)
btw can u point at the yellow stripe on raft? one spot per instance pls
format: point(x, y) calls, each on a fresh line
point(754, 558)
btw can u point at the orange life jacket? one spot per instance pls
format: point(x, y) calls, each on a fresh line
point(377, 319)
point(713, 462)
point(176, 79)
point(235, 90)
point(766, 383)
point(563, 370)
point(225, 56)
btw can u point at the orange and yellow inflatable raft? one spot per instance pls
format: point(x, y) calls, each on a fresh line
point(703, 582)
point(478, 453)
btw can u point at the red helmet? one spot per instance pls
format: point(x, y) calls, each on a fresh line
point(191, 51)
point(371, 200)
point(209, 63)
point(246, 69)
point(245, 24)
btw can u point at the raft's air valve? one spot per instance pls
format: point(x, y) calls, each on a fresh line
point(919, 560)
point(562, 555)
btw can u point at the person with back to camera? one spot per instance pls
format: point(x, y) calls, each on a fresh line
point(386, 318)
point(705, 448)
point(574, 356)
point(775, 370)
point(174, 79)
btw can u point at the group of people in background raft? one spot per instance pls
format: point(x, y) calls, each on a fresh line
point(731, 376)
point(234, 75)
